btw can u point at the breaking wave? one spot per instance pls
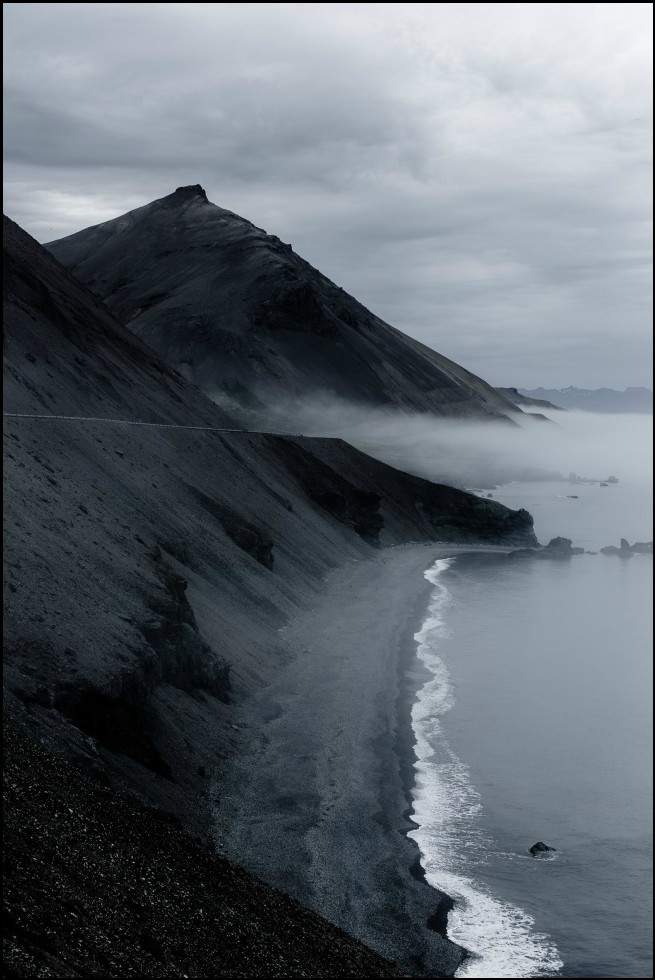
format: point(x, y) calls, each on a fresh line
point(500, 938)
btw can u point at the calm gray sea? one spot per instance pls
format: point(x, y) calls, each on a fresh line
point(535, 724)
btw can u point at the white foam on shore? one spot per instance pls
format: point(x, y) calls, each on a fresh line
point(501, 938)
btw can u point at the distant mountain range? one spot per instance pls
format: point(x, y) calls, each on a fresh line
point(590, 399)
point(522, 400)
point(237, 312)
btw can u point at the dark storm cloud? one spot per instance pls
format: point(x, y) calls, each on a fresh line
point(477, 174)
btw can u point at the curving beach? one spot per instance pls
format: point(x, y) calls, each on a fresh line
point(318, 800)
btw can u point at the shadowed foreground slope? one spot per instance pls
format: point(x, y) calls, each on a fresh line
point(97, 885)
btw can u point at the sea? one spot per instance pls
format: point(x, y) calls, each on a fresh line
point(533, 724)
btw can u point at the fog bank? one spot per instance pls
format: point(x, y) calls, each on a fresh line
point(475, 454)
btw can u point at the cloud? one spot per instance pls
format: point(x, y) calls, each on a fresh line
point(477, 174)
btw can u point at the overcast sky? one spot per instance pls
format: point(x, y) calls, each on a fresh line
point(477, 174)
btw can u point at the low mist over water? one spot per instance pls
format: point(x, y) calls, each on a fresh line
point(485, 453)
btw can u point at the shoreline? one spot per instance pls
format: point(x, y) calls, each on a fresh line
point(319, 801)
point(412, 674)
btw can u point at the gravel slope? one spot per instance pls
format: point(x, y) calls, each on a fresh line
point(97, 885)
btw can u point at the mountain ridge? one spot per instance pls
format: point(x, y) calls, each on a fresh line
point(631, 399)
point(237, 311)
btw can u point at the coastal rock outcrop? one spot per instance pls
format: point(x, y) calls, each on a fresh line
point(540, 848)
point(589, 480)
point(627, 550)
point(557, 549)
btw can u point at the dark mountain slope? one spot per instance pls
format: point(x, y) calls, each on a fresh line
point(239, 313)
point(97, 885)
point(148, 569)
point(65, 353)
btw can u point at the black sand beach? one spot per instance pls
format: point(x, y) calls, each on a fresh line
point(318, 802)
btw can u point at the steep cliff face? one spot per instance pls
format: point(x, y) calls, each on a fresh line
point(239, 313)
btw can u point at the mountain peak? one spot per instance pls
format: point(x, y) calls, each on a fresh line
point(241, 313)
point(189, 192)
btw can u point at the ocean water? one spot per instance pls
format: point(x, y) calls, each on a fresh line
point(534, 723)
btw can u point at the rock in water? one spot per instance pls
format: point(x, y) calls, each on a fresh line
point(540, 848)
point(562, 547)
